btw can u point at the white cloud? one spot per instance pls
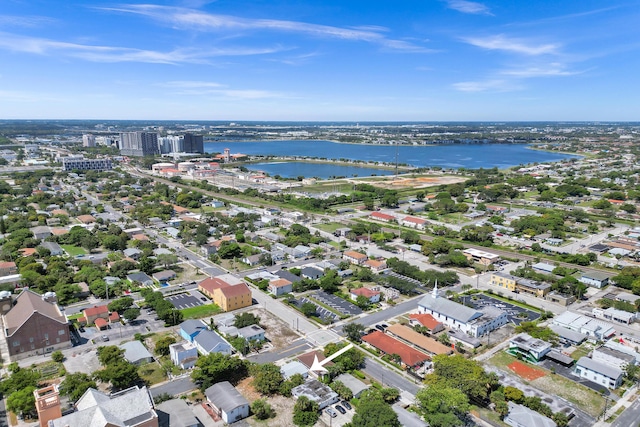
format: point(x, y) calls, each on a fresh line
point(496, 85)
point(95, 53)
point(470, 7)
point(24, 21)
point(500, 42)
point(551, 70)
point(194, 19)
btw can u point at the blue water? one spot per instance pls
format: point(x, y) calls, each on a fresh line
point(316, 170)
point(470, 156)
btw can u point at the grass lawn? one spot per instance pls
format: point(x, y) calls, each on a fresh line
point(152, 373)
point(200, 311)
point(501, 360)
point(583, 350)
point(329, 227)
point(73, 250)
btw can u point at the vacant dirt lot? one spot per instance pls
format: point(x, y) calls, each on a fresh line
point(277, 331)
point(282, 406)
point(418, 182)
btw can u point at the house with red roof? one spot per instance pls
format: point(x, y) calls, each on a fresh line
point(7, 268)
point(409, 356)
point(414, 222)
point(382, 217)
point(280, 287)
point(354, 257)
point(426, 320)
point(377, 266)
point(370, 294)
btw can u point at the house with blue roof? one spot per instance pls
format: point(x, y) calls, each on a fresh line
point(189, 329)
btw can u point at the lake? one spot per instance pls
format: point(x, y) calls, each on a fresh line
point(471, 156)
point(316, 170)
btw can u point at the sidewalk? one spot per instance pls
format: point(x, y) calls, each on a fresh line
point(624, 401)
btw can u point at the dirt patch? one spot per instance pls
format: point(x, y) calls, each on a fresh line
point(418, 182)
point(525, 371)
point(278, 332)
point(583, 397)
point(282, 406)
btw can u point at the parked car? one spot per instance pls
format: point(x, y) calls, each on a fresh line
point(346, 404)
point(105, 338)
point(341, 409)
point(331, 412)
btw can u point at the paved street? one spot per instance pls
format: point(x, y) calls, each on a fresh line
point(173, 388)
point(389, 378)
point(630, 417)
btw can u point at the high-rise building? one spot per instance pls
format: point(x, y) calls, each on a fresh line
point(88, 140)
point(170, 144)
point(139, 144)
point(193, 143)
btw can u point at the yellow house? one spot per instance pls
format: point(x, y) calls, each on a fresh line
point(505, 281)
point(228, 297)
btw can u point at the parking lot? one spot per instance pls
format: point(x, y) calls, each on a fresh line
point(321, 312)
point(339, 419)
point(181, 301)
point(338, 304)
point(516, 314)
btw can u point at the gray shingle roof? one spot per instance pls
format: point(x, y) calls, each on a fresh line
point(521, 415)
point(449, 308)
point(210, 341)
point(601, 368)
point(191, 327)
point(225, 396)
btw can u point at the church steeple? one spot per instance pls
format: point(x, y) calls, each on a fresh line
point(434, 293)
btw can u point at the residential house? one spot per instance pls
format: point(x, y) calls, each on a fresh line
point(8, 268)
point(376, 266)
point(140, 277)
point(136, 353)
point(41, 232)
point(176, 413)
point(227, 402)
point(252, 333)
point(292, 368)
point(33, 325)
point(414, 222)
point(382, 217)
point(287, 275)
point(91, 314)
point(521, 416)
point(183, 354)
point(208, 342)
point(132, 407)
point(311, 273)
point(307, 359)
point(426, 320)
point(172, 232)
point(457, 316)
point(280, 287)
point(252, 260)
point(354, 257)
point(190, 328)
point(317, 392)
point(356, 386)
point(86, 219)
point(228, 297)
point(53, 248)
point(370, 294)
point(133, 253)
point(164, 276)
point(599, 373)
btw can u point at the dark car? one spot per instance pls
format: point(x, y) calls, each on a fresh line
point(346, 404)
point(341, 409)
point(380, 328)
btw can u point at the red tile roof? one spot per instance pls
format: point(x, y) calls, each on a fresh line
point(279, 283)
point(100, 322)
point(95, 310)
point(212, 283)
point(388, 345)
point(87, 219)
point(27, 251)
point(114, 317)
point(414, 220)
point(365, 292)
point(382, 216)
point(426, 320)
point(355, 255)
point(307, 358)
point(235, 291)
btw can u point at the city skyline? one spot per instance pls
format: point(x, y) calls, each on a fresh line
point(248, 60)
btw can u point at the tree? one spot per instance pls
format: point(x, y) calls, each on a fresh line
point(343, 391)
point(89, 242)
point(261, 409)
point(110, 354)
point(229, 250)
point(22, 401)
point(246, 319)
point(74, 385)
point(167, 259)
point(57, 356)
point(305, 412)
point(363, 302)
point(372, 411)
point(120, 304)
point(121, 374)
point(443, 406)
point(131, 314)
point(466, 375)
point(308, 309)
point(217, 367)
point(267, 378)
point(162, 345)
point(19, 379)
point(514, 394)
point(354, 331)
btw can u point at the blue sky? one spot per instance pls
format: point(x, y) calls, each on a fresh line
point(351, 60)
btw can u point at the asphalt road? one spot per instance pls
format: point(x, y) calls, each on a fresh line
point(630, 417)
point(389, 378)
point(173, 388)
point(381, 316)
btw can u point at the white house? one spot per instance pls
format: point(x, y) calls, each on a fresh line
point(280, 287)
point(612, 357)
point(227, 402)
point(371, 295)
point(521, 416)
point(183, 354)
point(595, 279)
point(598, 372)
